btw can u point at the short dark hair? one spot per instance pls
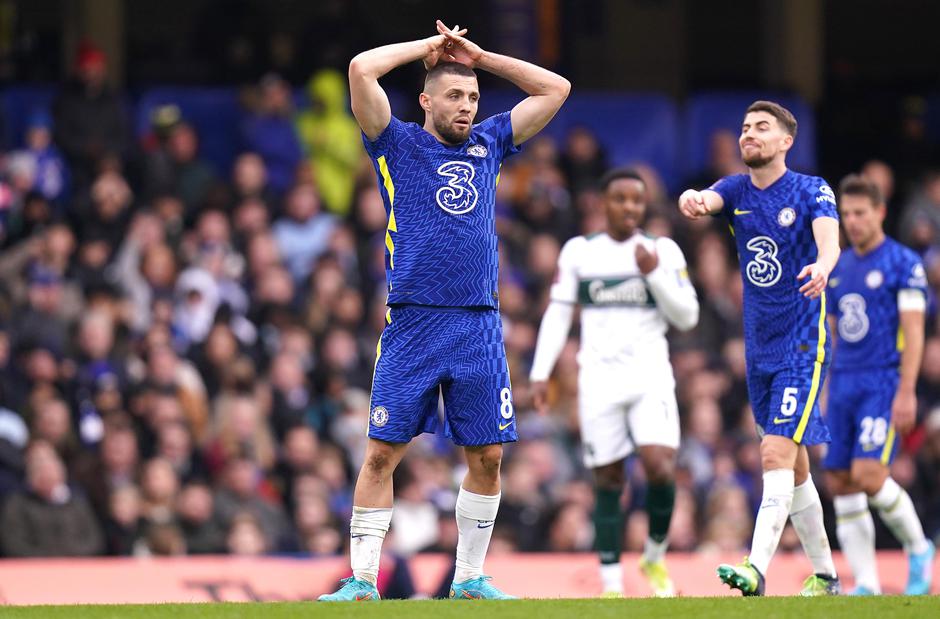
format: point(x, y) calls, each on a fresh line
point(448, 68)
point(783, 115)
point(858, 185)
point(619, 173)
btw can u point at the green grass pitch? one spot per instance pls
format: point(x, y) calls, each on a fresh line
point(697, 608)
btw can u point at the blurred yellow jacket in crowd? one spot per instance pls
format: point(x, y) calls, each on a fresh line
point(330, 137)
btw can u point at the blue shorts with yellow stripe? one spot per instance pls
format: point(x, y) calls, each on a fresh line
point(859, 416)
point(428, 354)
point(785, 399)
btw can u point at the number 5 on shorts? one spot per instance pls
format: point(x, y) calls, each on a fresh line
point(789, 404)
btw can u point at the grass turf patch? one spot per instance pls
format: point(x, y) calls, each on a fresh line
point(880, 607)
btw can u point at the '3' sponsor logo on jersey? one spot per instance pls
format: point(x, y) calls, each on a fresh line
point(763, 269)
point(458, 196)
point(853, 324)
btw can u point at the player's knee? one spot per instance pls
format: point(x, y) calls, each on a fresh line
point(661, 472)
point(609, 477)
point(778, 453)
point(489, 460)
point(378, 463)
point(870, 479)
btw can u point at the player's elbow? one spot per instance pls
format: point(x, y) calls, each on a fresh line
point(358, 68)
point(562, 88)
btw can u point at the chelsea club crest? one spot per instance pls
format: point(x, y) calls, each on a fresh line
point(786, 216)
point(379, 416)
point(874, 279)
point(477, 150)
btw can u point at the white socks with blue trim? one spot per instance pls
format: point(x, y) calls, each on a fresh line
point(771, 517)
point(476, 514)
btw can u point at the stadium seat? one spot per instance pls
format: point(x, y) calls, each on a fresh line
point(19, 102)
point(631, 127)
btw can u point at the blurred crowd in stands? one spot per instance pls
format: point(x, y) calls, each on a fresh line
point(186, 352)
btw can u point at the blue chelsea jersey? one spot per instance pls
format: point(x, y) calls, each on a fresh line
point(440, 244)
point(863, 296)
point(773, 230)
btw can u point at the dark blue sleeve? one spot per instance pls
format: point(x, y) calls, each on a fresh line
point(823, 200)
point(387, 140)
point(913, 275)
point(498, 130)
point(728, 188)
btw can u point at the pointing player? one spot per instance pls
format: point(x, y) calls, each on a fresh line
point(877, 300)
point(630, 287)
point(787, 233)
point(443, 336)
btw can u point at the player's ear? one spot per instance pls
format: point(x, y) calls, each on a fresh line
point(424, 100)
point(787, 141)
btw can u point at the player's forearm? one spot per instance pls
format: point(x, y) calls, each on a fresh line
point(912, 326)
point(553, 333)
point(826, 233)
point(374, 63)
point(677, 302)
point(531, 78)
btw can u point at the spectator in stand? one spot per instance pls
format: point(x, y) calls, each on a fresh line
point(114, 466)
point(303, 233)
point(250, 181)
point(192, 178)
point(105, 211)
point(269, 132)
point(44, 258)
point(124, 525)
point(195, 512)
point(50, 174)
point(331, 139)
point(583, 160)
point(244, 490)
point(724, 159)
point(89, 117)
point(920, 219)
point(48, 518)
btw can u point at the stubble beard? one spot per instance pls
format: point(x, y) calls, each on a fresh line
point(449, 133)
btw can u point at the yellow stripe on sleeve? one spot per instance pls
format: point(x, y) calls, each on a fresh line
point(817, 371)
point(392, 225)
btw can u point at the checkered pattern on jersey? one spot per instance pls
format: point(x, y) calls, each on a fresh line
point(443, 248)
point(774, 235)
point(457, 352)
point(863, 296)
point(853, 396)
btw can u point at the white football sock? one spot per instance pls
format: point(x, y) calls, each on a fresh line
point(855, 529)
point(896, 509)
point(806, 513)
point(367, 529)
point(654, 551)
point(476, 514)
point(771, 517)
point(612, 577)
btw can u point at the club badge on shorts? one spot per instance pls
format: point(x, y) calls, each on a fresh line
point(379, 416)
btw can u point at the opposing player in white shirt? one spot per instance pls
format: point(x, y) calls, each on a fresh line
point(630, 287)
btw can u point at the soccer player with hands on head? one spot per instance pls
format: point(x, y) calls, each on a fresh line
point(786, 229)
point(443, 337)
